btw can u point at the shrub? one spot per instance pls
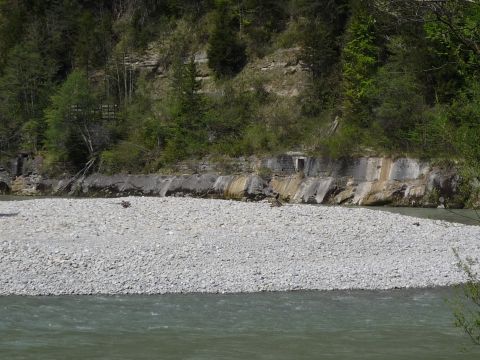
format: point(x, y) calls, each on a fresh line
point(124, 157)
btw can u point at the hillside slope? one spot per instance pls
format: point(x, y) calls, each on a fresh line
point(139, 85)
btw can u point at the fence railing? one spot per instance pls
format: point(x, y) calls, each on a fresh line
point(103, 112)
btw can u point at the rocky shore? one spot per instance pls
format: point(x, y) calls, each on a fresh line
point(184, 245)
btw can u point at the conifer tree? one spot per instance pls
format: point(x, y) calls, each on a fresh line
point(359, 62)
point(226, 54)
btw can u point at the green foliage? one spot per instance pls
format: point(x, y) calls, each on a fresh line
point(24, 91)
point(226, 54)
point(321, 37)
point(75, 133)
point(467, 308)
point(265, 173)
point(31, 134)
point(320, 53)
point(123, 157)
point(12, 20)
point(433, 133)
point(187, 112)
point(359, 62)
point(455, 27)
point(345, 142)
point(139, 136)
point(260, 21)
point(400, 106)
point(395, 97)
point(291, 37)
point(259, 139)
point(228, 117)
point(319, 48)
point(398, 77)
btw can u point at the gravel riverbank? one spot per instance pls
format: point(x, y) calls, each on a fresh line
point(170, 245)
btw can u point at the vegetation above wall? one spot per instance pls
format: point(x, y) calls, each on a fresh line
point(137, 85)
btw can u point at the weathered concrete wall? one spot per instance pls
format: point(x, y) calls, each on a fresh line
point(297, 178)
point(365, 181)
point(201, 185)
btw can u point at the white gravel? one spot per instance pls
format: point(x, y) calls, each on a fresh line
point(170, 245)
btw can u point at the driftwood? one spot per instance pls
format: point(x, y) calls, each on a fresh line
point(82, 172)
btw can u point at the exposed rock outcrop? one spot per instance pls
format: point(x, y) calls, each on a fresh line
point(296, 178)
point(363, 181)
point(248, 186)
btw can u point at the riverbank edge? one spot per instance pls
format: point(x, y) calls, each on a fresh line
point(453, 287)
point(368, 181)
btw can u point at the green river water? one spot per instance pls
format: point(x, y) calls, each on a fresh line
point(399, 324)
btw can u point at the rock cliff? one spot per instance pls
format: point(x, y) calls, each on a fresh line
point(363, 181)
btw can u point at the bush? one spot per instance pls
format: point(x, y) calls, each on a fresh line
point(344, 143)
point(467, 309)
point(124, 157)
point(258, 139)
point(433, 133)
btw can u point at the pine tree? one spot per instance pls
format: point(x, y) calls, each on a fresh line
point(226, 54)
point(360, 60)
point(187, 129)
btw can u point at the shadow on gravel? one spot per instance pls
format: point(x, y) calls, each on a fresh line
point(8, 215)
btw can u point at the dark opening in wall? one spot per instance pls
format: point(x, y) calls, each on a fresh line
point(300, 164)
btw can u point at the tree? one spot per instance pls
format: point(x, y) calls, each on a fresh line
point(396, 96)
point(226, 54)
point(465, 115)
point(188, 132)
point(86, 43)
point(12, 23)
point(359, 62)
point(455, 20)
point(24, 89)
point(320, 53)
point(75, 133)
point(259, 21)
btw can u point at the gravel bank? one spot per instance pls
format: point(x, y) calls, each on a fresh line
point(169, 245)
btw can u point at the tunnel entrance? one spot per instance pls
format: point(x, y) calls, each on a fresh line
point(300, 164)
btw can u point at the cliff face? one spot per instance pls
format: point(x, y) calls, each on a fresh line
point(364, 181)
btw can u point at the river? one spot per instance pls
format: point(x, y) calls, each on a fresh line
point(463, 216)
point(397, 324)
